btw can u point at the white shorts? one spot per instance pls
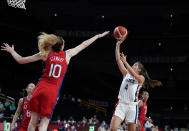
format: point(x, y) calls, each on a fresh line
point(127, 111)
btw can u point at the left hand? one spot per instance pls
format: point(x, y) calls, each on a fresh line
point(103, 34)
point(7, 47)
point(123, 57)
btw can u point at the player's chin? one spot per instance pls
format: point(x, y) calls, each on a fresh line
point(29, 92)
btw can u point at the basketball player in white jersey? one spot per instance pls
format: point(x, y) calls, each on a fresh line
point(133, 79)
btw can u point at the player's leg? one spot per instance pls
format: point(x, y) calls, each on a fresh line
point(142, 125)
point(33, 121)
point(131, 117)
point(138, 128)
point(48, 103)
point(44, 124)
point(131, 127)
point(118, 116)
point(115, 122)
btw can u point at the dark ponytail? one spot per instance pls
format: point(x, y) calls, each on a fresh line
point(148, 81)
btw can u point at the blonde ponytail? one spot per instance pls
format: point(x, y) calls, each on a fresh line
point(46, 42)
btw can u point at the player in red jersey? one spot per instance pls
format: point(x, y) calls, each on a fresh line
point(23, 106)
point(46, 93)
point(142, 105)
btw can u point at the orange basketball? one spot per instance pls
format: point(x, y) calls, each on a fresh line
point(120, 32)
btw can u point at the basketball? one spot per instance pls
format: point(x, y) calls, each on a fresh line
point(120, 32)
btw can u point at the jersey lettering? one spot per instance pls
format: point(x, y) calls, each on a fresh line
point(126, 87)
point(28, 113)
point(130, 80)
point(53, 70)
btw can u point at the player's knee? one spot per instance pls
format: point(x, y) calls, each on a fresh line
point(43, 124)
point(113, 128)
point(42, 127)
point(33, 123)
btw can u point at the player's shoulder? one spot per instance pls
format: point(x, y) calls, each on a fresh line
point(126, 76)
point(68, 52)
point(21, 101)
point(140, 103)
point(62, 52)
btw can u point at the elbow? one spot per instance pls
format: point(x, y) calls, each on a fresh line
point(20, 61)
point(117, 57)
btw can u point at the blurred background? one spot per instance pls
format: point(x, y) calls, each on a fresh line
point(158, 37)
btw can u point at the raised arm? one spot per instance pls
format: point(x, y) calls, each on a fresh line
point(74, 51)
point(120, 64)
point(139, 78)
point(17, 113)
point(19, 58)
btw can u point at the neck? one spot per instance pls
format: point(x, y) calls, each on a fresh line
point(144, 100)
point(29, 96)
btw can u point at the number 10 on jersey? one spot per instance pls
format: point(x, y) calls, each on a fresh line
point(53, 70)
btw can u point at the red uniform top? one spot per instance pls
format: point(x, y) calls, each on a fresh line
point(26, 113)
point(55, 68)
point(47, 91)
point(143, 111)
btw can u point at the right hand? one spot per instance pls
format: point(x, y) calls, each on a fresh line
point(123, 57)
point(6, 47)
point(121, 40)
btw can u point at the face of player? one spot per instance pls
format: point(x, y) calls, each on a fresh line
point(145, 96)
point(30, 88)
point(136, 68)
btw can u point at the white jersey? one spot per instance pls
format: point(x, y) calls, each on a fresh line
point(129, 90)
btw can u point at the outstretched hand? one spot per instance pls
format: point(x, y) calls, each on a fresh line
point(121, 40)
point(123, 57)
point(103, 34)
point(7, 47)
